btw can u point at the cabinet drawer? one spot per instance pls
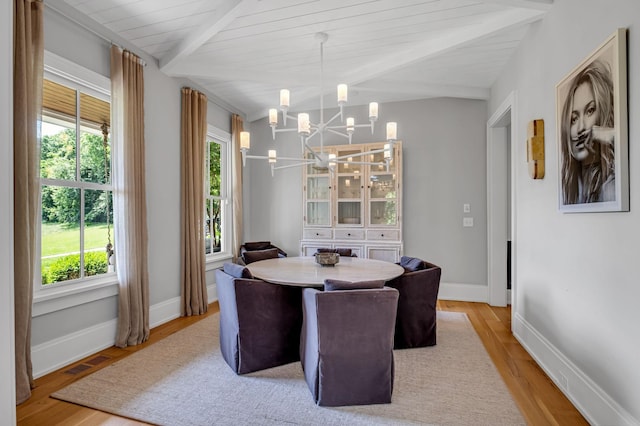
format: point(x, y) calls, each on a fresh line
point(383, 234)
point(349, 234)
point(320, 233)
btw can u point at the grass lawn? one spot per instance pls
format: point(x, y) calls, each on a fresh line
point(60, 239)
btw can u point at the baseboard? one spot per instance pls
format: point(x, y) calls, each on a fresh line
point(594, 403)
point(50, 356)
point(463, 292)
point(57, 353)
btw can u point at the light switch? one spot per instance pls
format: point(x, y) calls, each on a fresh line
point(467, 222)
point(466, 208)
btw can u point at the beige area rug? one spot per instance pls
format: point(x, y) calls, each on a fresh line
point(183, 380)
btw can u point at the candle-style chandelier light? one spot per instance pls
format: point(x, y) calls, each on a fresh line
point(308, 130)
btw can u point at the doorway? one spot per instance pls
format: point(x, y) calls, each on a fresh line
point(501, 241)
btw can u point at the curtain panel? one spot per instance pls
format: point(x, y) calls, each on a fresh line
point(130, 208)
point(237, 239)
point(192, 174)
point(28, 71)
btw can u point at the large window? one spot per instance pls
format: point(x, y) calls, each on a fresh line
point(75, 176)
point(218, 194)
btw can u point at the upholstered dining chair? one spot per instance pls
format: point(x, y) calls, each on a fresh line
point(265, 249)
point(346, 345)
point(416, 319)
point(259, 322)
point(344, 252)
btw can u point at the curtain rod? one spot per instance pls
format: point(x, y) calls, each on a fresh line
point(93, 31)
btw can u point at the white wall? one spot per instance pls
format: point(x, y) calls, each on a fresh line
point(7, 351)
point(444, 154)
point(577, 279)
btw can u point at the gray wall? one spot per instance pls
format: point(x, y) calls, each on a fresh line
point(7, 353)
point(577, 280)
point(162, 143)
point(444, 150)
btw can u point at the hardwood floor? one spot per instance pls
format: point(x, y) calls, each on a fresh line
point(540, 401)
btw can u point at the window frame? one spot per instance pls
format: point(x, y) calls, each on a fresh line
point(223, 138)
point(53, 297)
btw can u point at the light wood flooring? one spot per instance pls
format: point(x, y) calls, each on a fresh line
point(540, 401)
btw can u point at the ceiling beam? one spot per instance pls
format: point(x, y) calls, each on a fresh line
point(445, 42)
point(543, 5)
point(207, 72)
point(223, 16)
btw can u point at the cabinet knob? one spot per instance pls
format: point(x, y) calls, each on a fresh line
point(382, 235)
point(348, 234)
point(317, 233)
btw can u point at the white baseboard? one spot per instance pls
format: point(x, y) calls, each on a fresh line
point(57, 353)
point(463, 292)
point(594, 404)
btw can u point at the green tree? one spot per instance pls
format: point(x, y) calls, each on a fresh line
point(215, 182)
point(58, 161)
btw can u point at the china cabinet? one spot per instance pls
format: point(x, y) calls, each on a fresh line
point(356, 204)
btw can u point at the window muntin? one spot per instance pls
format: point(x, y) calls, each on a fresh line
point(217, 194)
point(76, 191)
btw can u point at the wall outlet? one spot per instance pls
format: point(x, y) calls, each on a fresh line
point(466, 208)
point(467, 222)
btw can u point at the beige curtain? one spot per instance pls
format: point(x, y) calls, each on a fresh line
point(129, 203)
point(236, 128)
point(192, 245)
point(28, 69)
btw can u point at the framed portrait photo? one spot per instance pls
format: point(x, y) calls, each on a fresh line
point(592, 127)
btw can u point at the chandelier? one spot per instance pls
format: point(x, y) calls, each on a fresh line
point(308, 130)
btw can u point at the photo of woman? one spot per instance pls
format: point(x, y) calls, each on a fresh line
point(587, 137)
point(591, 108)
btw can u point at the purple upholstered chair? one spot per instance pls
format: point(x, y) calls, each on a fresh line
point(260, 250)
point(346, 346)
point(259, 322)
point(418, 287)
point(344, 252)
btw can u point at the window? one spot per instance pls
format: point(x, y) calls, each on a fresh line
point(75, 178)
point(218, 194)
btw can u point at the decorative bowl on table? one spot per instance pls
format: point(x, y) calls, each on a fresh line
point(327, 259)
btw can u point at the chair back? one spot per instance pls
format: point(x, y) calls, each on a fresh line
point(259, 322)
point(346, 346)
point(416, 319)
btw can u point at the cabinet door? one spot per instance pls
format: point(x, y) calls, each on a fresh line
point(349, 187)
point(382, 189)
point(386, 253)
point(318, 201)
point(317, 195)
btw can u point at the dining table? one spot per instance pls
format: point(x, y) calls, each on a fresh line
point(304, 271)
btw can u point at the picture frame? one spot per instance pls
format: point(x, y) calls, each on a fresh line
point(592, 131)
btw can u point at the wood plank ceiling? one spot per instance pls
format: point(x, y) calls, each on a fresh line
point(245, 51)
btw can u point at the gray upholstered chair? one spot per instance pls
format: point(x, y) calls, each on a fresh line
point(263, 249)
point(346, 346)
point(259, 322)
point(344, 252)
point(418, 286)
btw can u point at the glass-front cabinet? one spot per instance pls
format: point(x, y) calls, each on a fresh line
point(383, 188)
point(349, 187)
point(317, 188)
point(355, 204)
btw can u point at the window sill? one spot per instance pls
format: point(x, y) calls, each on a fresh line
point(57, 298)
point(217, 260)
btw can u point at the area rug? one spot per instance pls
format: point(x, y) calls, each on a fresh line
point(183, 380)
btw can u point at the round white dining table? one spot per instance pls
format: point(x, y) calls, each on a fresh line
point(305, 272)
